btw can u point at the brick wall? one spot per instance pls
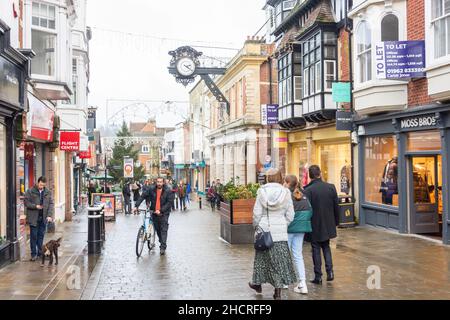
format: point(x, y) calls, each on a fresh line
point(265, 82)
point(344, 59)
point(417, 89)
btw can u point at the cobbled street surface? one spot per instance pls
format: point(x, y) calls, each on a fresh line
point(199, 265)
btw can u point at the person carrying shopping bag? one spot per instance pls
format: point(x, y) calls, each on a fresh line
point(298, 228)
point(273, 212)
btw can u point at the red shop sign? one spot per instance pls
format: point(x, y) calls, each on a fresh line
point(69, 141)
point(40, 119)
point(85, 154)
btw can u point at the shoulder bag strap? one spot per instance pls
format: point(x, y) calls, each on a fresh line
point(267, 211)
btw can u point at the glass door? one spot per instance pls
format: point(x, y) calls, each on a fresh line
point(424, 194)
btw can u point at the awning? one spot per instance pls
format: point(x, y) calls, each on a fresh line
point(52, 90)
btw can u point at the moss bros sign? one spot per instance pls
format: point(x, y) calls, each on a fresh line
point(419, 122)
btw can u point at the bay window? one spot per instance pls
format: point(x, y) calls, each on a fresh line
point(289, 78)
point(364, 51)
point(440, 19)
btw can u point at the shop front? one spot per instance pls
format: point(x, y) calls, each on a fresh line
point(13, 74)
point(404, 161)
point(326, 147)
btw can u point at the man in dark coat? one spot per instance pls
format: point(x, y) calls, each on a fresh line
point(161, 200)
point(40, 210)
point(127, 197)
point(325, 218)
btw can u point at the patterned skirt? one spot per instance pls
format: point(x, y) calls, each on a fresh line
point(274, 266)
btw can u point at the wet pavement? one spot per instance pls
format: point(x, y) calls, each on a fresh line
point(27, 280)
point(199, 265)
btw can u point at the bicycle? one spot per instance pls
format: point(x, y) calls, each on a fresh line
point(146, 233)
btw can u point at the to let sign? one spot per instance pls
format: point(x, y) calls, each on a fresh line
point(69, 141)
point(269, 114)
point(400, 59)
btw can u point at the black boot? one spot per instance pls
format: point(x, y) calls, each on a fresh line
point(330, 276)
point(316, 280)
point(256, 287)
point(277, 294)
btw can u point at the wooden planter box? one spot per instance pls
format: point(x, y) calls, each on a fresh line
point(238, 211)
point(236, 221)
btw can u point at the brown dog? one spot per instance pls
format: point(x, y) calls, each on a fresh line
point(49, 249)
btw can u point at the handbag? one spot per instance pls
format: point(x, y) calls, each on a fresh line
point(263, 239)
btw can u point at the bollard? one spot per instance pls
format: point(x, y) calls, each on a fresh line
point(200, 202)
point(95, 230)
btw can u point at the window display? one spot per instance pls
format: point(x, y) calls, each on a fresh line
point(381, 170)
point(335, 163)
point(298, 166)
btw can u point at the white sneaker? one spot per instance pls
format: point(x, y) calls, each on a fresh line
point(301, 288)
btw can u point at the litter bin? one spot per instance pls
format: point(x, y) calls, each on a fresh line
point(346, 212)
point(95, 230)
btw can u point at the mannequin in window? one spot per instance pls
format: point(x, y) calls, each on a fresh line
point(389, 181)
point(304, 175)
point(346, 178)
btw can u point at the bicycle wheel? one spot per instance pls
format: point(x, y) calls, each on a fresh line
point(151, 237)
point(140, 240)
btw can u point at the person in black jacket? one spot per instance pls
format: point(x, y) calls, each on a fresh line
point(325, 204)
point(161, 199)
point(127, 197)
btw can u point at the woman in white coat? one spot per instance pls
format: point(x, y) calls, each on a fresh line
point(273, 212)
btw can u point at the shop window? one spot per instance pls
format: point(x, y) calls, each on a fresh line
point(424, 141)
point(335, 164)
point(364, 51)
point(381, 170)
point(389, 28)
point(2, 182)
point(440, 19)
point(43, 44)
point(298, 162)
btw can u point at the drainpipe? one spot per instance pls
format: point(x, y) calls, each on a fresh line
point(350, 54)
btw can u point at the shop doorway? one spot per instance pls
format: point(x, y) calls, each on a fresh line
point(425, 196)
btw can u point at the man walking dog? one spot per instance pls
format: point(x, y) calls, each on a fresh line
point(40, 210)
point(161, 200)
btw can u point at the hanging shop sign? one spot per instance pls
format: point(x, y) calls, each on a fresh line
point(85, 154)
point(426, 121)
point(128, 168)
point(341, 92)
point(9, 82)
point(69, 141)
point(90, 126)
point(40, 119)
point(344, 120)
point(84, 143)
point(400, 59)
point(269, 114)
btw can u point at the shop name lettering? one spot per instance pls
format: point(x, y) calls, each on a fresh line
point(68, 145)
point(418, 122)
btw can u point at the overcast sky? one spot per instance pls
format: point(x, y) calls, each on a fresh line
point(134, 66)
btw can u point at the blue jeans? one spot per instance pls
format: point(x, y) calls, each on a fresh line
point(295, 242)
point(37, 234)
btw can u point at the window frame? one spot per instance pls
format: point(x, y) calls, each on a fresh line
point(55, 56)
point(433, 21)
point(367, 52)
point(47, 18)
point(398, 26)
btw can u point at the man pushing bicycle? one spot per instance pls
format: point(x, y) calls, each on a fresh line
point(161, 199)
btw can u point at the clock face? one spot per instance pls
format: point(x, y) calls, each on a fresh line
point(186, 67)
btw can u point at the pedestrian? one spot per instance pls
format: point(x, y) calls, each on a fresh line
point(182, 195)
point(91, 191)
point(325, 205)
point(161, 199)
point(298, 228)
point(40, 210)
point(126, 192)
point(135, 187)
point(188, 193)
point(211, 195)
point(273, 212)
